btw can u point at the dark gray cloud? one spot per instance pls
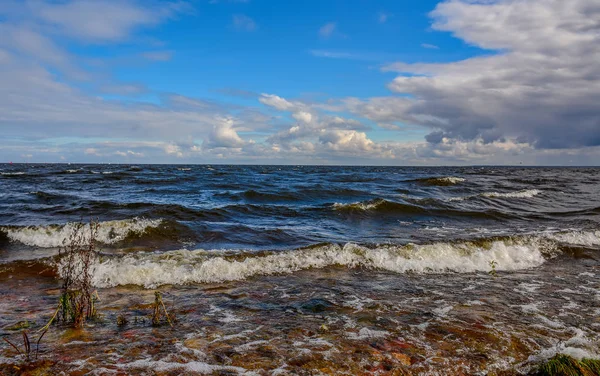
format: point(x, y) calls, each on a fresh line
point(541, 86)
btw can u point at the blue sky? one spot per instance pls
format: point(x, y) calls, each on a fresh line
point(319, 82)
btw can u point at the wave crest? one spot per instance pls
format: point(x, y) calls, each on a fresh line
point(52, 236)
point(528, 193)
point(441, 181)
point(201, 266)
point(378, 204)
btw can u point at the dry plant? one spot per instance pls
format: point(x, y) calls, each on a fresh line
point(26, 345)
point(75, 260)
point(157, 313)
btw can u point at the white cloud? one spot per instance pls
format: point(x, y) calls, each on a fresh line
point(347, 141)
point(224, 135)
point(303, 116)
point(276, 102)
point(244, 23)
point(173, 149)
point(327, 30)
point(103, 21)
point(430, 46)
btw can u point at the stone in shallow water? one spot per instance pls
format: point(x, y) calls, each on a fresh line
point(317, 305)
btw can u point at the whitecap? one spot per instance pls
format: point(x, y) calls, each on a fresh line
point(528, 193)
point(201, 266)
point(52, 236)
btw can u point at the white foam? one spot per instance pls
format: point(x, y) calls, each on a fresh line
point(578, 346)
point(194, 366)
point(585, 238)
point(442, 311)
point(528, 193)
point(451, 179)
point(585, 274)
point(52, 236)
point(366, 333)
point(12, 173)
point(368, 205)
point(200, 266)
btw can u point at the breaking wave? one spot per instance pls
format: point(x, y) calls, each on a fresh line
point(528, 193)
point(52, 236)
point(200, 266)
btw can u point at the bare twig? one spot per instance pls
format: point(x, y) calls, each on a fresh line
point(13, 345)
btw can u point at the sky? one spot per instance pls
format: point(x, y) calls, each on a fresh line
point(358, 82)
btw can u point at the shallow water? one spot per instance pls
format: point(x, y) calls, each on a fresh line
point(309, 270)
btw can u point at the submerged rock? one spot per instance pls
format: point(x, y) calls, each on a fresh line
point(317, 305)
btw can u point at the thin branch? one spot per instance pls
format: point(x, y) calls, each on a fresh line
point(13, 345)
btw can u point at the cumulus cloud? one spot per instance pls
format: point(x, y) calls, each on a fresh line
point(223, 134)
point(303, 116)
point(347, 140)
point(541, 86)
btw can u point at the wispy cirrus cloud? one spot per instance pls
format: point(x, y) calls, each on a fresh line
point(242, 22)
point(328, 30)
point(383, 17)
point(157, 55)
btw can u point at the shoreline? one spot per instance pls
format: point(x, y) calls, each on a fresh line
point(335, 320)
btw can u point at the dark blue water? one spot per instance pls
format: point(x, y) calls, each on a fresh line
point(281, 207)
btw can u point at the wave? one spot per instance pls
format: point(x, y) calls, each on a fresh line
point(201, 266)
point(379, 205)
point(52, 236)
point(582, 238)
point(440, 181)
point(18, 173)
point(528, 193)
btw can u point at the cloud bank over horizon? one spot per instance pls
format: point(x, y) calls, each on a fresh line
point(528, 93)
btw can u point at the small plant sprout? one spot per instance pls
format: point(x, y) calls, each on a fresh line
point(121, 320)
point(493, 264)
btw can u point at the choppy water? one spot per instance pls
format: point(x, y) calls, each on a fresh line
point(387, 254)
